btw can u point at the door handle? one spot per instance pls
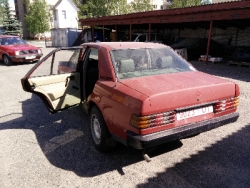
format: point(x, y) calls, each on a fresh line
point(68, 79)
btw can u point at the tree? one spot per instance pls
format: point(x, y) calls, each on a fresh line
point(118, 7)
point(2, 2)
point(38, 18)
point(97, 8)
point(141, 6)
point(187, 3)
point(10, 23)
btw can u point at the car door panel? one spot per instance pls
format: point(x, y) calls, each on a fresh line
point(60, 90)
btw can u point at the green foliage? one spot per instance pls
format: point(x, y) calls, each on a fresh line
point(10, 23)
point(38, 18)
point(2, 2)
point(141, 6)
point(97, 8)
point(118, 7)
point(187, 3)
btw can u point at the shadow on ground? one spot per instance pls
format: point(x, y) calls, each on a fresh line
point(18, 63)
point(66, 141)
point(224, 164)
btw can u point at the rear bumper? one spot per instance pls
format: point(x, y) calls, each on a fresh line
point(149, 140)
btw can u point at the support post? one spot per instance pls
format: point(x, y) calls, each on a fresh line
point(209, 38)
point(103, 33)
point(149, 32)
point(130, 32)
point(92, 33)
point(115, 32)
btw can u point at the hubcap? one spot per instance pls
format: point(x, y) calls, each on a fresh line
point(96, 130)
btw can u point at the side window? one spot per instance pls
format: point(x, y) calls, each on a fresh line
point(93, 54)
point(59, 61)
point(92, 59)
point(72, 63)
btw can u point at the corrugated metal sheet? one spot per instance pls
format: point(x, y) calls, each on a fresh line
point(64, 37)
point(219, 11)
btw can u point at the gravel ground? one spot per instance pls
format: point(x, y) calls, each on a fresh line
point(38, 149)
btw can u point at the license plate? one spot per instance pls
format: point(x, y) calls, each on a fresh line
point(30, 57)
point(194, 112)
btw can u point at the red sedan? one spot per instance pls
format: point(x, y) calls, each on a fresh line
point(13, 49)
point(139, 94)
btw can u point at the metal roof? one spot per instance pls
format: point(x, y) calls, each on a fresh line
point(228, 12)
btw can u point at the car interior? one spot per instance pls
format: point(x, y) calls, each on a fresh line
point(61, 90)
point(92, 75)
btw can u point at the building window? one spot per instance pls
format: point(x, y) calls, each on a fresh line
point(154, 6)
point(64, 14)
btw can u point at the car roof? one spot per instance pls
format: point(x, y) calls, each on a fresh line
point(125, 45)
point(5, 36)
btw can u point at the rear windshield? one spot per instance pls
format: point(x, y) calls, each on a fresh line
point(130, 63)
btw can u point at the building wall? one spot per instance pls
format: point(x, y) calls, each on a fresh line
point(21, 10)
point(221, 1)
point(223, 36)
point(220, 35)
point(66, 16)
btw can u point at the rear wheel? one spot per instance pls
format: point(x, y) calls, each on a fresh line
point(101, 136)
point(7, 61)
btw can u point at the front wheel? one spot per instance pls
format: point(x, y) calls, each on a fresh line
point(101, 136)
point(7, 61)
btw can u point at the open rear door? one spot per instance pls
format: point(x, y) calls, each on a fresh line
point(56, 79)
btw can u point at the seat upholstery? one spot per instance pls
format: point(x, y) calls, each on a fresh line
point(126, 65)
point(166, 62)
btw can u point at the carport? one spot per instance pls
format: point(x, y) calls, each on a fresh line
point(207, 17)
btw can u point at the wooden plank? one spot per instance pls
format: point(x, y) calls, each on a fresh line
point(240, 64)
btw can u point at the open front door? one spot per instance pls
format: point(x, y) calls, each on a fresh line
point(56, 79)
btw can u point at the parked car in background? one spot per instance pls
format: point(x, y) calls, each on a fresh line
point(14, 49)
point(139, 94)
point(198, 46)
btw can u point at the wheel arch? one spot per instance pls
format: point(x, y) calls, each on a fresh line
point(91, 105)
point(4, 53)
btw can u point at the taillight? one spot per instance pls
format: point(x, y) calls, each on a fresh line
point(143, 122)
point(226, 104)
point(237, 90)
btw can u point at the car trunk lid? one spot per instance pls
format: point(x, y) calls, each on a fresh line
point(180, 90)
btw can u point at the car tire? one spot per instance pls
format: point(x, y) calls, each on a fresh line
point(101, 136)
point(7, 61)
